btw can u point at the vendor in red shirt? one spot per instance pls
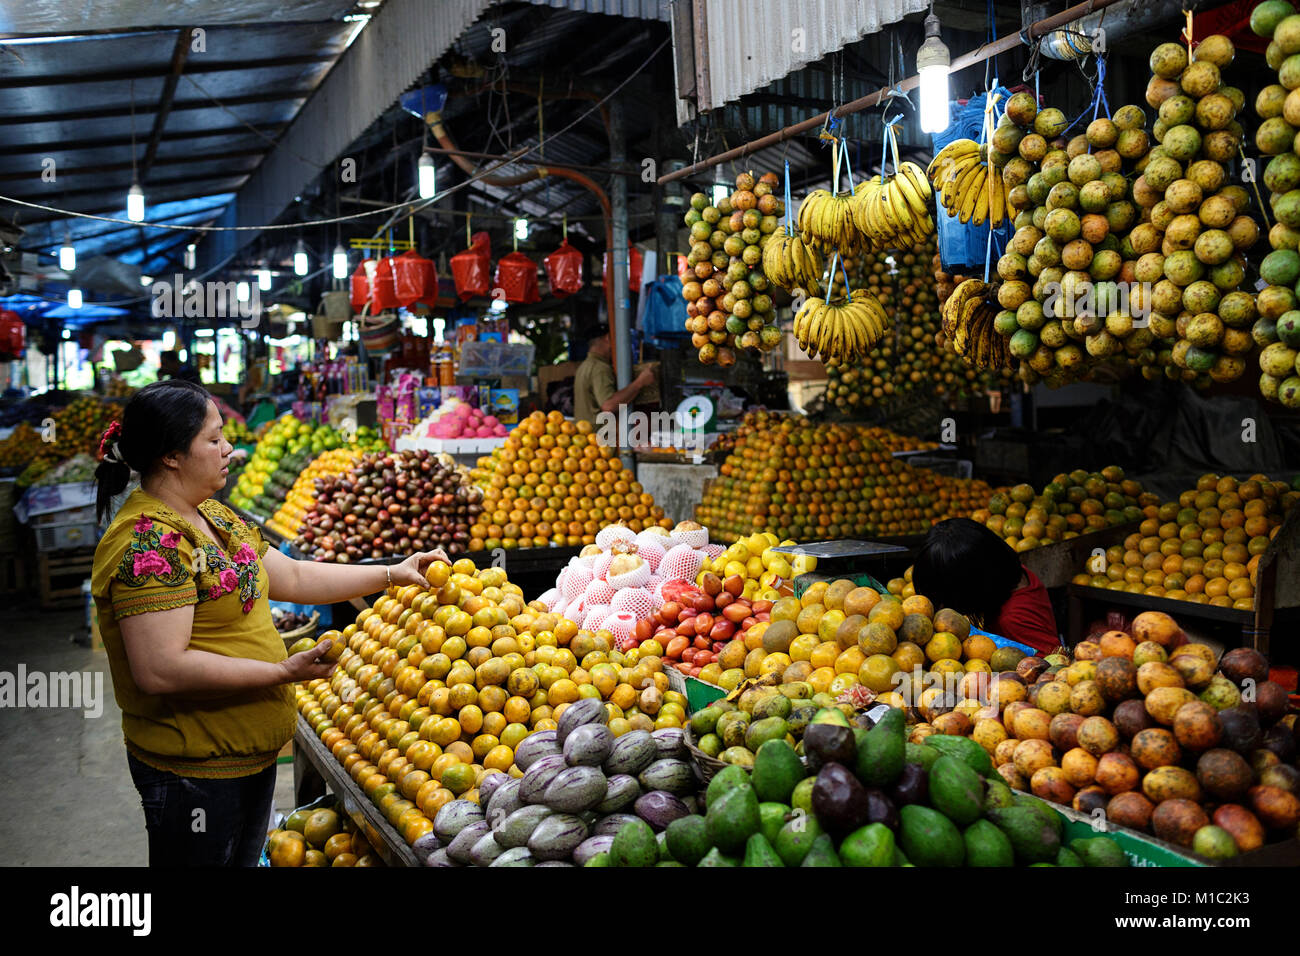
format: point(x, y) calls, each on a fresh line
point(965, 566)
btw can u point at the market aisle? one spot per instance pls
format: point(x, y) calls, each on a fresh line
point(67, 794)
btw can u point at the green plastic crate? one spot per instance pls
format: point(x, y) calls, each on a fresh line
point(700, 694)
point(1140, 850)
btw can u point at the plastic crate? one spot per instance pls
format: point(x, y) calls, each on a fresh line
point(70, 516)
point(66, 537)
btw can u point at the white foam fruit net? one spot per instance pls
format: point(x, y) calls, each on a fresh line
point(621, 625)
point(607, 535)
point(693, 538)
point(550, 598)
point(576, 580)
point(651, 551)
point(635, 578)
point(594, 619)
point(600, 566)
point(713, 550)
point(638, 602)
point(597, 592)
point(682, 562)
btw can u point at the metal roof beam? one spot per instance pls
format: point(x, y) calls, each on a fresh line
point(65, 146)
point(395, 47)
point(153, 72)
point(180, 53)
point(165, 161)
point(272, 96)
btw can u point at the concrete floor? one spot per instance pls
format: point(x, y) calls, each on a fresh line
point(66, 794)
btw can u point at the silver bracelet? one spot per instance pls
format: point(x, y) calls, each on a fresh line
point(388, 570)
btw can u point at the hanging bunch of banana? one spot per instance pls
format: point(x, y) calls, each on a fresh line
point(845, 330)
point(960, 174)
point(895, 212)
point(791, 263)
point(968, 324)
point(826, 220)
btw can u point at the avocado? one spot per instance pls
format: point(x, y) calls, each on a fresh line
point(880, 756)
point(716, 858)
point(828, 743)
point(725, 779)
point(899, 858)
point(1054, 819)
point(761, 731)
point(665, 854)
point(759, 852)
point(771, 819)
point(830, 715)
point(840, 802)
point(667, 863)
point(704, 722)
point(872, 845)
point(997, 794)
point(1032, 837)
point(912, 785)
point(796, 838)
point(732, 818)
point(956, 790)
point(963, 748)
point(822, 853)
point(634, 845)
point(986, 845)
point(1067, 857)
point(801, 799)
point(688, 839)
point(776, 771)
point(919, 753)
point(1099, 851)
point(929, 838)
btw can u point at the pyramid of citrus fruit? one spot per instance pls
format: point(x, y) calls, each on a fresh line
point(1205, 547)
point(813, 482)
point(438, 685)
point(554, 482)
point(1069, 505)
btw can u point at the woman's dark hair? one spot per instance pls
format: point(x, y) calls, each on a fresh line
point(965, 566)
point(159, 419)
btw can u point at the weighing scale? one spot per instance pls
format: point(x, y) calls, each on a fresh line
point(845, 558)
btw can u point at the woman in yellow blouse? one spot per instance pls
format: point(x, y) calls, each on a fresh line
point(182, 586)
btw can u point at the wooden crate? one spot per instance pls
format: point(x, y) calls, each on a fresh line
point(13, 573)
point(59, 575)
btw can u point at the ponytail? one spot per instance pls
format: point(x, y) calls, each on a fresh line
point(158, 420)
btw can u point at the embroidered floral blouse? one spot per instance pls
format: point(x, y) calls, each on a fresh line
point(152, 559)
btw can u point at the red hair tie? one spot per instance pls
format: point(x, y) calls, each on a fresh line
point(110, 435)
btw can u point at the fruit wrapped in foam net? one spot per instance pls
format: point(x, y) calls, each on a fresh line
point(607, 535)
point(689, 533)
point(551, 598)
point(652, 583)
point(621, 625)
point(598, 592)
point(600, 567)
point(651, 551)
point(594, 619)
point(576, 580)
point(627, 571)
point(713, 550)
point(681, 561)
point(638, 602)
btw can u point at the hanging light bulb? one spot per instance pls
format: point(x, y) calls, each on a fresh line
point(521, 228)
point(427, 176)
point(191, 255)
point(340, 262)
point(67, 255)
point(932, 62)
point(264, 279)
point(242, 291)
point(300, 259)
point(74, 298)
point(135, 203)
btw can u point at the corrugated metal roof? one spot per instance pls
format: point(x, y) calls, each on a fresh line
point(781, 36)
point(637, 9)
point(59, 16)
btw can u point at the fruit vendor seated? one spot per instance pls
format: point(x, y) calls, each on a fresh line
point(965, 566)
point(182, 586)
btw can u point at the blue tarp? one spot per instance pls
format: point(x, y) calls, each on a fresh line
point(963, 247)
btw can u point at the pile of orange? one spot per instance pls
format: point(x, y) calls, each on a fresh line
point(320, 837)
point(555, 482)
point(813, 482)
point(1205, 547)
point(438, 685)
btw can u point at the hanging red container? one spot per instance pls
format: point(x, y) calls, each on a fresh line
point(517, 277)
point(634, 264)
point(471, 269)
point(415, 279)
point(359, 290)
point(12, 334)
point(383, 289)
point(564, 270)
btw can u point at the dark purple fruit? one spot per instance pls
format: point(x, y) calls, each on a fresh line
point(912, 785)
point(1279, 740)
point(1240, 730)
point(829, 743)
point(1244, 663)
point(880, 809)
point(839, 801)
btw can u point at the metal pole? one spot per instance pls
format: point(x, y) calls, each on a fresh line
point(1000, 45)
point(619, 255)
